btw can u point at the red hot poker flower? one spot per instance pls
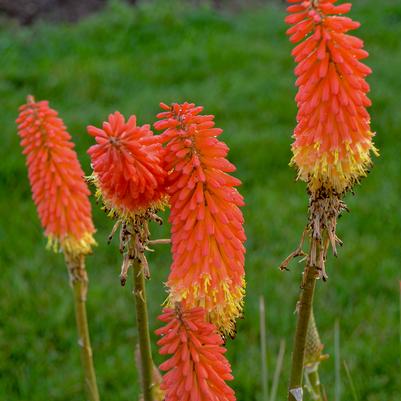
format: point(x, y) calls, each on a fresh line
point(333, 139)
point(207, 224)
point(57, 180)
point(127, 166)
point(198, 369)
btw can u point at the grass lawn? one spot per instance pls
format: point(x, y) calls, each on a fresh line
point(239, 67)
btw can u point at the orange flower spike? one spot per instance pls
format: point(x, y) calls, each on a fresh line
point(127, 166)
point(207, 224)
point(57, 180)
point(333, 140)
point(197, 369)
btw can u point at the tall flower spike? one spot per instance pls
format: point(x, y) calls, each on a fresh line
point(57, 180)
point(333, 140)
point(198, 369)
point(129, 176)
point(127, 166)
point(207, 224)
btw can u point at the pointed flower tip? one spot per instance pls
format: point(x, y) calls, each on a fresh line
point(127, 166)
point(207, 223)
point(56, 177)
point(197, 368)
point(333, 140)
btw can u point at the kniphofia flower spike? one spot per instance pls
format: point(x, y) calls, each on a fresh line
point(197, 369)
point(333, 139)
point(126, 161)
point(61, 195)
point(207, 224)
point(57, 180)
point(129, 176)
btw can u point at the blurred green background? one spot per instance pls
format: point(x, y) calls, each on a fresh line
point(236, 62)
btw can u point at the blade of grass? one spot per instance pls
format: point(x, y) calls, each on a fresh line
point(337, 361)
point(400, 322)
point(324, 394)
point(277, 372)
point(351, 382)
point(263, 347)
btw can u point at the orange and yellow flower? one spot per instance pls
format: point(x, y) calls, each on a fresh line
point(127, 166)
point(198, 369)
point(207, 223)
point(59, 190)
point(333, 139)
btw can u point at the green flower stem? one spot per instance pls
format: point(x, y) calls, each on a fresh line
point(142, 321)
point(304, 313)
point(79, 282)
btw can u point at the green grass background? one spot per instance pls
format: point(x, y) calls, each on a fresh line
point(238, 65)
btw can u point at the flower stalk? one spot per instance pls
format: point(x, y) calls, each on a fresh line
point(134, 240)
point(304, 309)
point(307, 348)
point(142, 324)
point(79, 283)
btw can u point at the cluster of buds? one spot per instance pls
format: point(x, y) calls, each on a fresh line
point(333, 140)
point(207, 223)
point(197, 369)
point(57, 180)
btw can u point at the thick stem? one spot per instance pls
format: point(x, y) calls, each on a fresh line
point(143, 330)
point(304, 308)
point(79, 282)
